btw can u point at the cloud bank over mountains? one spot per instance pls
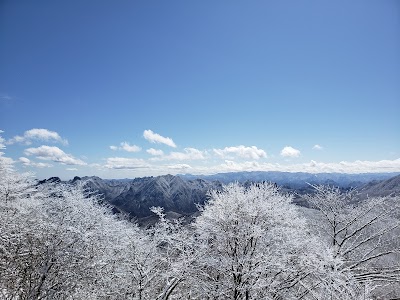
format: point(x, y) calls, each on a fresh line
point(152, 161)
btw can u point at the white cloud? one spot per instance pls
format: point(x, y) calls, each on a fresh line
point(119, 167)
point(156, 138)
point(71, 169)
point(358, 166)
point(125, 163)
point(155, 152)
point(188, 154)
point(28, 163)
point(6, 162)
point(24, 160)
point(231, 166)
point(39, 134)
point(179, 167)
point(317, 147)
point(2, 141)
point(126, 147)
point(54, 154)
point(241, 151)
point(130, 148)
point(355, 167)
point(18, 139)
point(290, 152)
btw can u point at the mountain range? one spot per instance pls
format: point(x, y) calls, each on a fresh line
point(180, 195)
point(297, 180)
point(137, 196)
point(379, 188)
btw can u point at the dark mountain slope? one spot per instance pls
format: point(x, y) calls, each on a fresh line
point(137, 196)
point(387, 187)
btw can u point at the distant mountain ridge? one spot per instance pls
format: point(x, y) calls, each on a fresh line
point(296, 180)
point(179, 195)
point(387, 187)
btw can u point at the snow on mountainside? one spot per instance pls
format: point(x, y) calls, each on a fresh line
point(297, 180)
point(137, 196)
point(180, 194)
point(381, 188)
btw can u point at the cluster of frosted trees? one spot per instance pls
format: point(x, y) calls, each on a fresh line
point(59, 242)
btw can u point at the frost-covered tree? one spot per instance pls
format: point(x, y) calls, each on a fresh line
point(52, 244)
point(12, 184)
point(15, 189)
point(152, 263)
point(255, 245)
point(363, 236)
point(58, 242)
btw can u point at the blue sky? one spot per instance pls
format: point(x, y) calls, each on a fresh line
point(235, 85)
